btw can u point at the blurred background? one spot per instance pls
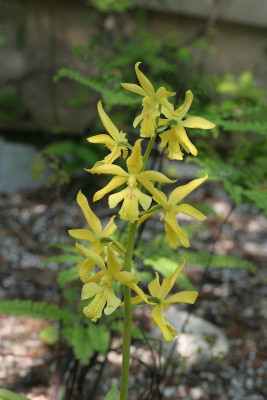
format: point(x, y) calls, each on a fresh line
point(58, 58)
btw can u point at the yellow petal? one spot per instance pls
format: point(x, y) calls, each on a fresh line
point(168, 282)
point(116, 246)
point(160, 198)
point(162, 92)
point(110, 228)
point(143, 199)
point(96, 277)
point(137, 290)
point(109, 170)
point(144, 82)
point(91, 255)
point(149, 115)
point(113, 263)
point(154, 286)
point(171, 138)
point(134, 88)
point(182, 297)
point(197, 122)
point(108, 124)
point(103, 139)
point(110, 158)
point(163, 121)
point(130, 207)
point(113, 302)
point(82, 234)
point(146, 216)
point(182, 191)
point(113, 184)
point(175, 234)
point(155, 176)
point(116, 198)
point(137, 120)
point(180, 112)
point(159, 320)
point(90, 217)
point(191, 211)
point(85, 269)
point(184, 140)
point(126, 277)
point(134, 162)
point(90, 289)
point(95, 308)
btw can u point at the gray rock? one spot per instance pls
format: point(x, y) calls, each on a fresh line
point(15, 162)
point(201, 341)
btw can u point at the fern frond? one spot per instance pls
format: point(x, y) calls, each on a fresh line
point(67, 275)
point(33, 309)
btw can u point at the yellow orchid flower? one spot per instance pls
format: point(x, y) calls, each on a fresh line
point(176, 135)
point(160, 292)
point(131, 195)
point(115, 142)
point(100, 285)
point(151, 102)
point(95, 236)
point(176, 236)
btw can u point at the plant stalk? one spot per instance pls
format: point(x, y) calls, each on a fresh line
point(127, 324)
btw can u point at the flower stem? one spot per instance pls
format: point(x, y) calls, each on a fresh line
point(127, 324)
point(127, 328)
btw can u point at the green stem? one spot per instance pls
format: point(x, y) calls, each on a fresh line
point(127, 328)
point(127, 325)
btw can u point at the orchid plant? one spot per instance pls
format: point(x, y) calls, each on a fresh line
point(109, 261)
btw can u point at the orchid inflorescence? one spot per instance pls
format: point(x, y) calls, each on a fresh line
point(135, 187)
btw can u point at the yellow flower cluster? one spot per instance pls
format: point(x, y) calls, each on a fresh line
point(129, 182)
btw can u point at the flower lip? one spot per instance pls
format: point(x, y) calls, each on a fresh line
point(132, 181)
point(107, 279)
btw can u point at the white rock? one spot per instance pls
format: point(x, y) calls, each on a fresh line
point(201, 341)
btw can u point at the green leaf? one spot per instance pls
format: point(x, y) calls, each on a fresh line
point(100, 338)
point(204, 258)
point(8, 395)
point(113, 394)
point(67, 275)
point(66, 247)
point(49, 335)
point(36, 309)
point(166, 267)
point(82, 345)
point(61, 148)
point(63, 258)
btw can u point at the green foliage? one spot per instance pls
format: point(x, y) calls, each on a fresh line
point(166, 266)
point(10, 108)
point(113, 394)
point(169, 259)
point(239, 161)
point(67, 275)
point(205, 259)
point(45, 162)
point(2, 38)
point(63, 258)
point(34, 309)
point(86, 340)
point(242, 86)
point(70, 256)
point(106, 85)
point(111, 5)
point(49, 335)
point(82, 346)
point(8, 395)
